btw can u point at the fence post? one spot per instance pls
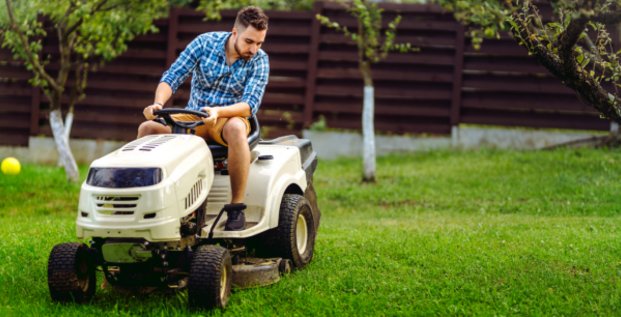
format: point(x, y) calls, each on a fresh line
point(457, 82)
point(172, 43)
point(311, 75)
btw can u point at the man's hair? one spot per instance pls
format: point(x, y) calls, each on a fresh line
point(251, 16)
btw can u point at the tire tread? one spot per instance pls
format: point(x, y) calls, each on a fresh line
point(61, 271)
point(285, 234)
point(205, 272)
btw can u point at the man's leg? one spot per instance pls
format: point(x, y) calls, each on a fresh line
point(152, 127)
point(235, 135)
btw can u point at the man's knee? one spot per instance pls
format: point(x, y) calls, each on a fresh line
point(151, 127)
point(234, 130)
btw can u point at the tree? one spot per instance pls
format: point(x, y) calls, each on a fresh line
point(373, 46)
point(574, 44)
point(89, 32)
point(212, 8)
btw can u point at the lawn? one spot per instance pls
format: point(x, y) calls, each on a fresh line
point(441, 233)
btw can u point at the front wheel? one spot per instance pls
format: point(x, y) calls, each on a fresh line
point(211, 276)
point(71, 273)
point(296, 230)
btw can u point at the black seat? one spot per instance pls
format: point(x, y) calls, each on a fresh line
point(220, 152)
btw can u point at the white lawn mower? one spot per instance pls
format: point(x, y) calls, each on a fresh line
point(153, 211)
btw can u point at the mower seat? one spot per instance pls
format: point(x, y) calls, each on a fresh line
point(220, 152)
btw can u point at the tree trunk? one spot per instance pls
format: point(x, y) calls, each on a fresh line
point(64, 152)
point(368, 129)
point(68, 125)
point(368, 135)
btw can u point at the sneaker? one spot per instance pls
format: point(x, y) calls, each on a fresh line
point(235, 218)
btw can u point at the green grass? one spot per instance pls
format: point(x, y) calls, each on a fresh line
point(441, 233)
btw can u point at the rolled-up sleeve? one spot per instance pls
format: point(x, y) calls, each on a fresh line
point(184, 65)
point(255, 86)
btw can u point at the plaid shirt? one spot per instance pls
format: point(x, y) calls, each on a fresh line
point(214, 82)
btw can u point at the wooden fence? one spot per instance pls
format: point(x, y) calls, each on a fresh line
point(314, 74)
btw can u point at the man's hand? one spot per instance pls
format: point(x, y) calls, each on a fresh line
point(148, 111)
point(213, 115)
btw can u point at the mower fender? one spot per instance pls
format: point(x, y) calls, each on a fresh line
point(272, 178)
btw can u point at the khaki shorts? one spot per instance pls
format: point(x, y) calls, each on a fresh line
point(210, 133)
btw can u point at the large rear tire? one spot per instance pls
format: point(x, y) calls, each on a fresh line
point(71, 273)
point(295, 235)
point(211, 276)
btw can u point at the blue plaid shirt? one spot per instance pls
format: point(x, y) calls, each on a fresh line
point(214, 82)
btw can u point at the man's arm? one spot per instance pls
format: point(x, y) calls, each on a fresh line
point(183, 66)
point(255, 85)
point(175, 75)
point(240, 109)
point(162, 95)
point(251, 98)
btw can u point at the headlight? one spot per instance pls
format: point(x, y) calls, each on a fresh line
point(123, 177)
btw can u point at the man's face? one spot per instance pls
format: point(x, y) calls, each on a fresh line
point(248, 41)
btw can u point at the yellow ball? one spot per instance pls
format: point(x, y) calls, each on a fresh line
point(11, 166)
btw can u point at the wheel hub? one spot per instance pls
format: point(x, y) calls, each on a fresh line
point(223, 278)
point(301, 234)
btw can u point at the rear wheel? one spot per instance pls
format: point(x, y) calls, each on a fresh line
point(210, 280)
point(295, 235)
point(71, 273)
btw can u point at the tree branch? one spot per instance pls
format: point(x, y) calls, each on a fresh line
point(77, 91)
point(591, 47)
point(575, 28)
point(567, 41)
point(529, 39)
point(36, 65)
point(63, 20)
point(95, 9)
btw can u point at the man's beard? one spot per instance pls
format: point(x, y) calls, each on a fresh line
point(245, 57)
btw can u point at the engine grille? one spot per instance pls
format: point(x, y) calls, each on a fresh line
point(153, 144)
point(132, 145)
point(147, 143)
point(195, 192)
point(116, 205)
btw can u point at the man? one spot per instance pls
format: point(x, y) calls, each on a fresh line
point(229, 75)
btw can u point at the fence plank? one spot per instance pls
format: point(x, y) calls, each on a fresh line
point(15, 101)
point(35, 110)
point(457, 75)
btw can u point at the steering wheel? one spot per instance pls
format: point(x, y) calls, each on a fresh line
point(181, 125)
